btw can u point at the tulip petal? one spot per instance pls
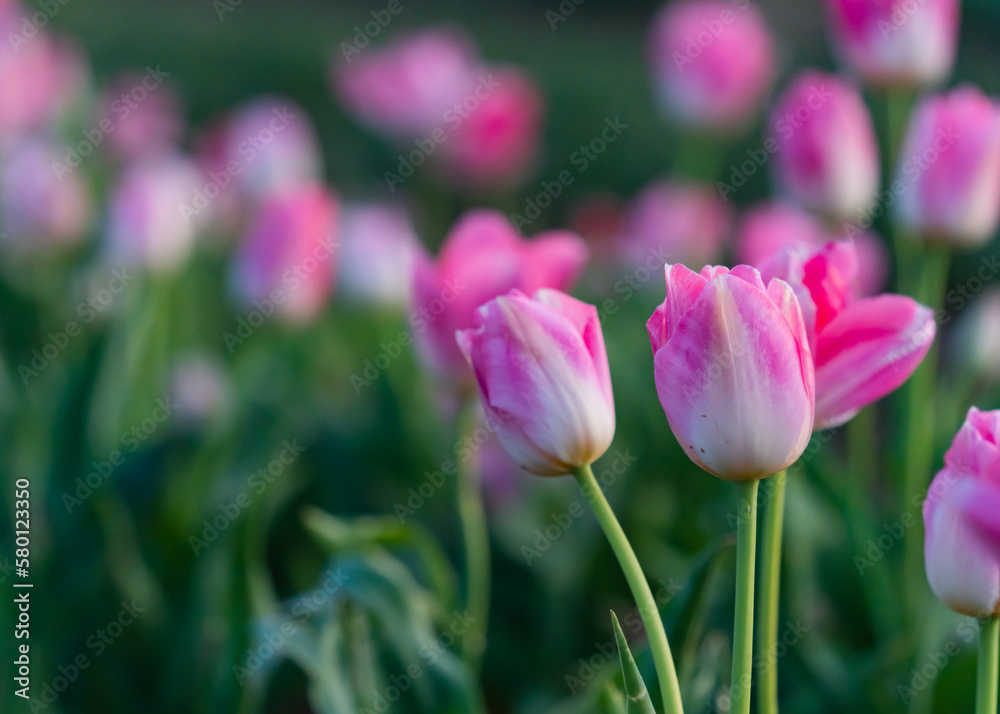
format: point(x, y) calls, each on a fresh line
point(866, 352)
point(731, 384)
point(683, 288)
point(553, 260)
point(974, 449)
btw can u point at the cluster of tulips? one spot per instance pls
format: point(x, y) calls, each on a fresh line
point(749, 361)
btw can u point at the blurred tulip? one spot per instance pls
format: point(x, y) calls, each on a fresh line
point(733, 370)
point(864, 348)
point(896, 42)
point(199, 389)
point(482, 258)
point(826, 159)
point(675, 222)
point(378, 247)
point(962, 519)
point(975, 342)
point(950, 168)
point(286, 262)
point(40, 206)
point(146, 225)
point(142, 114)
point(543, 376)
point(497, 141)
point(769, 228)
point(713, 62)
point(405, 88)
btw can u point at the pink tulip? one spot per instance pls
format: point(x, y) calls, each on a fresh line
point(713, 62)
point(41, 207)
point(483, 257)
point(145, 223)
point(405, 88)
point(826, 158)
point(770, 228)
point(286, 261)
point(896, 42)
point(733, 370)
point(962, 519)
point(543, 376)
point(142, 116)
point(975, 342)
point(378, 247)
point(863, 348)
point(681, 223)
point(497, 140)
point(949, 168)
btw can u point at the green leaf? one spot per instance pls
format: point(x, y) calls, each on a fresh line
point(637, 696)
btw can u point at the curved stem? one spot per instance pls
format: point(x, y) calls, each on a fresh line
point(767, 615)
point(986, 680)
point(476, 537)
point(650, 613)
point(746, 553)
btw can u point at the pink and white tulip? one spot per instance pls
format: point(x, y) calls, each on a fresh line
point(543, 375)
point(713, 62)
point(287, 256)
point(962, 520)
point(145, 224)
point(827, 158)
point(863, 348)
point(482, 258)
point(733, 370)
point(681, 223)
point(896, 43)
point(950, 168)
point(149, 126)
point(378, 247)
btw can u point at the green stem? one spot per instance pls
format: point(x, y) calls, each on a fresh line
point(650, 613)
point(476, 537)
point(986, 680)
point(774, 521)
point(746, 553)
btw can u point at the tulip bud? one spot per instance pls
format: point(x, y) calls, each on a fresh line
point(962, 520)
point(137, 128)
point(145, 223)
point(733, 370)
point(827, 159)
point(682, 223)
point(543, 376)
point(286, 261)
point(863, 348)
point(975, 342)
point(713, 62)
point(377, 253)
point(896, 43)
point(482, 258)
point(950, 168)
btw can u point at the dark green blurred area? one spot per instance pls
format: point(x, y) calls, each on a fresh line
point(364, 453)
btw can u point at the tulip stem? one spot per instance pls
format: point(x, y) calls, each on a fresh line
point(989, 654)
point(476, 537)
point(746, 553)
point(770, 586)
point(648, 610)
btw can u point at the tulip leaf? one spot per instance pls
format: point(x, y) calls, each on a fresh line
point(637, 699)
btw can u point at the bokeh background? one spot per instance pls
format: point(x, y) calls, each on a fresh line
point(202, 614)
